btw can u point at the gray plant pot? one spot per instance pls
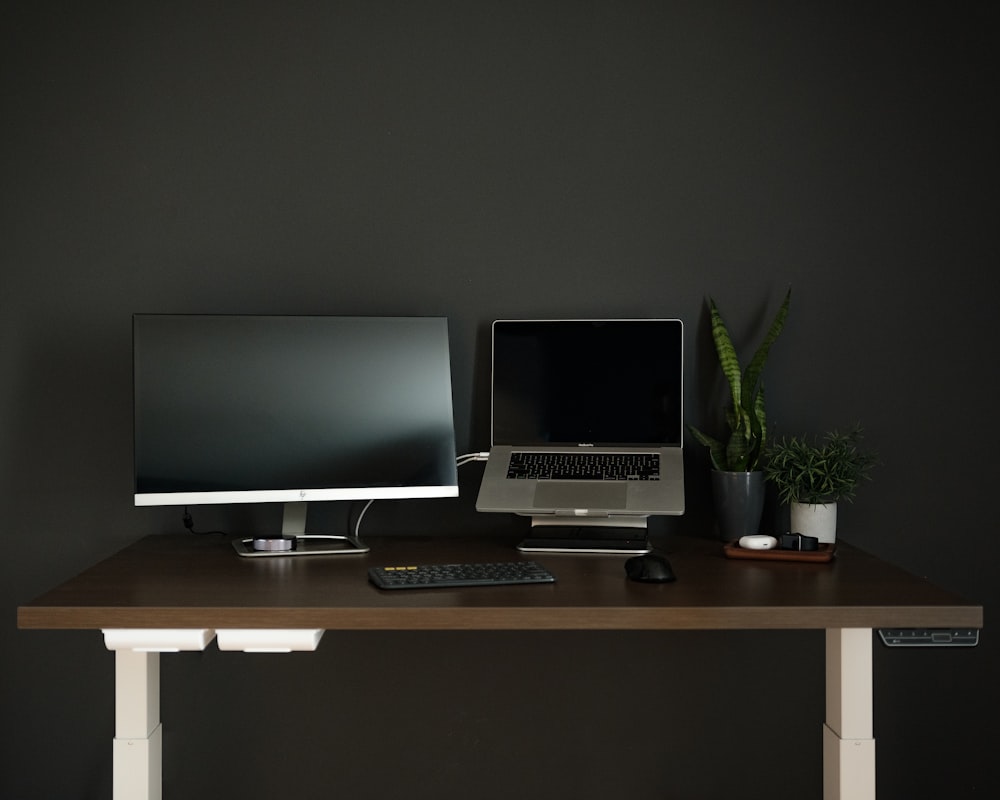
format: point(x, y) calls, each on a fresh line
point(739, 503)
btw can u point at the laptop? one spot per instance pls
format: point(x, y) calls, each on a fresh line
point(568, 392)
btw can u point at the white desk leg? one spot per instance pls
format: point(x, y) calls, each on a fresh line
point(848, 743)
point(138, 743)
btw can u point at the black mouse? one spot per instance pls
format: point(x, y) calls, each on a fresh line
point(649, 568)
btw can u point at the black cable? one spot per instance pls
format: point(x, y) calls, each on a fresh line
point(189, 524)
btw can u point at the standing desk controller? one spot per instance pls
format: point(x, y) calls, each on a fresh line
point(929, 637)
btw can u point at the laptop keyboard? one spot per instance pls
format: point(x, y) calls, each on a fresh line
point(585, 466)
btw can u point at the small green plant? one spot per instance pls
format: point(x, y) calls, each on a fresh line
point(746, 416)
point(815, 471)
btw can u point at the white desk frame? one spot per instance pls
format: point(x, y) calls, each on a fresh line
point(138, 743)
point(848, 743)
point(175, 584)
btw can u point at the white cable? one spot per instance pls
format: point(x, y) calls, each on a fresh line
point(467, 457)
point(459, 461)
point(357, 525)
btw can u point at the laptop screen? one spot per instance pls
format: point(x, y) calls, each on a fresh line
point(599, 382)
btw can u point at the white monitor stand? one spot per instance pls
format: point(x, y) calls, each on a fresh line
point(294, 541)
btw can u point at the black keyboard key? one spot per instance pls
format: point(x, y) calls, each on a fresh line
point(427, 576)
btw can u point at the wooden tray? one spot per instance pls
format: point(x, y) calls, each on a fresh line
point(823, 554)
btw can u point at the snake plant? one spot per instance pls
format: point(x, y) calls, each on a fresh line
point(746, 414)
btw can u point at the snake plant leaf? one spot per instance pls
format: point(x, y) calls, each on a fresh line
point(758, 424)
point(746, 414)
point(716, 450)
point(737, 452)
point(728, 359)
point(752, 375)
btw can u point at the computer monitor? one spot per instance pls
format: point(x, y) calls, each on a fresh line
point(291, 409)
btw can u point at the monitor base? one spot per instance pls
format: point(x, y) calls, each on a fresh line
point(294, 541)
point(305, 544)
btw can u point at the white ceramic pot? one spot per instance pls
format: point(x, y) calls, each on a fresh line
point(819, 520)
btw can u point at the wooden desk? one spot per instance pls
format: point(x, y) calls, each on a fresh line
point(172, 586)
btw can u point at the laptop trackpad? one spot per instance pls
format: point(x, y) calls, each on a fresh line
point(597, 496)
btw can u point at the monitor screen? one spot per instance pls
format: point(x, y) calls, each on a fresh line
point(250, 409)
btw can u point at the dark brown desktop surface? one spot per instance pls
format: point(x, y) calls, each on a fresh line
point(184, 581)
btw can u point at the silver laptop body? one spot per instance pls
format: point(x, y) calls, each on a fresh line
point(586, 387)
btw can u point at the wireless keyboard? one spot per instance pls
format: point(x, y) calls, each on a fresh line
point(431, 576)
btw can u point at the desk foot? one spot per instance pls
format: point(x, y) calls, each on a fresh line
point(848, 767)
point(138, 767)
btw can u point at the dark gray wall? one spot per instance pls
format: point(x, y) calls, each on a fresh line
point(480, 160)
